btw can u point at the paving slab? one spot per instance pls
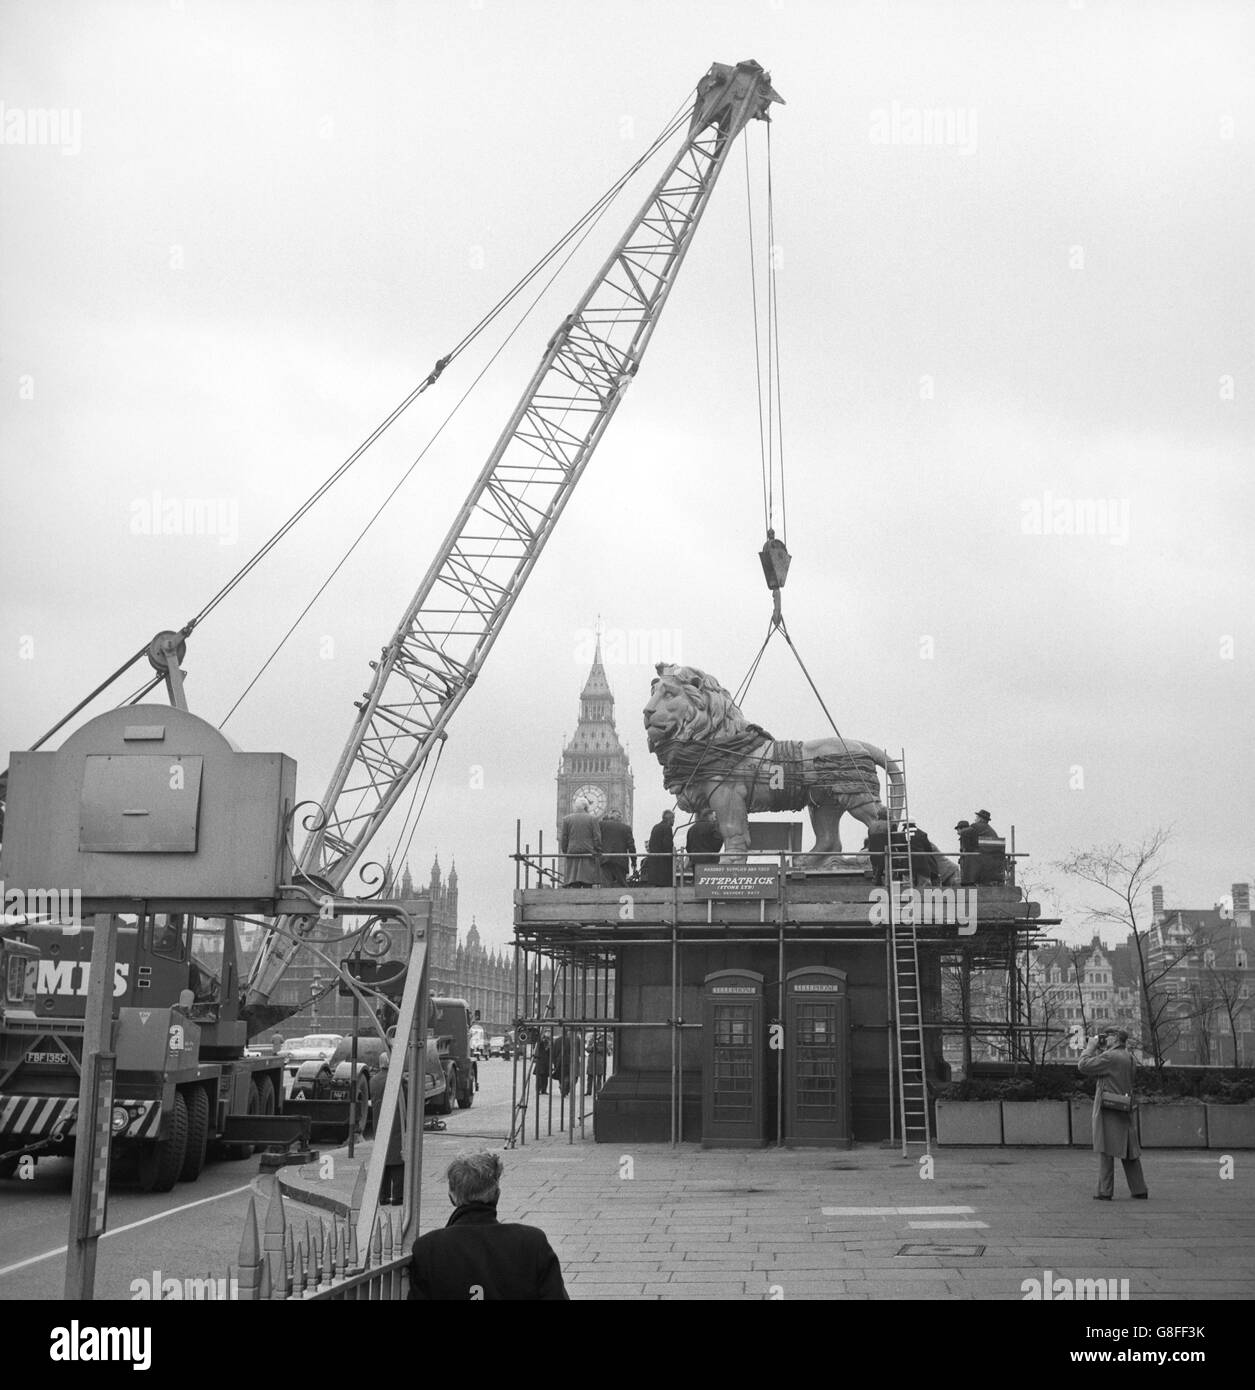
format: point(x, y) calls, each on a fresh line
point(696, 1223)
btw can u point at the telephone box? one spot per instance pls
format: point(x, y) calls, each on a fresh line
point(817, 1058)
point(734, 1110)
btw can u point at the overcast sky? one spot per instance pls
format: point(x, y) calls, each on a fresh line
point(254, 227)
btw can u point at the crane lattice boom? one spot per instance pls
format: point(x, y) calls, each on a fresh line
point(467, 593)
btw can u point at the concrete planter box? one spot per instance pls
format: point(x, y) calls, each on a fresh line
point(1035, 1122)
point(1082, 1123)
point(1231, 1126)
point(969, 1122)
point(1174, 1126)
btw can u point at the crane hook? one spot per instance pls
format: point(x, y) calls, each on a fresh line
point(775, 561)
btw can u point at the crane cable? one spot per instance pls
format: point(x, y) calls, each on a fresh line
point(771, 443)
point(589, 225)
point(590, 216)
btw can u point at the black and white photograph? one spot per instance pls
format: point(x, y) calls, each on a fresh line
point(674, 577)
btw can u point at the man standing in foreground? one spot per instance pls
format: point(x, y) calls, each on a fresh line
point(1115, 1131)
point(475, 1256)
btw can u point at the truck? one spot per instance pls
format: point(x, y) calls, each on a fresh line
point(452, 1024)
point(329, 1084)
point(179, 1077)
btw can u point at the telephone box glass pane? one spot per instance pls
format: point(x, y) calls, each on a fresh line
point(816, 1061)
point(733, 1081)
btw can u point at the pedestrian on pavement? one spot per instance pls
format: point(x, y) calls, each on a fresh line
point(476, 1257)
point(580, 842)
point(657, 873)
point(541, 1065)
point(618, 850)
point(1107, 1058)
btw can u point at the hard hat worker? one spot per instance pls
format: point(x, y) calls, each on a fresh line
point(476, 1257)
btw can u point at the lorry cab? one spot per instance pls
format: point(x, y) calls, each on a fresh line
point(453, 1022)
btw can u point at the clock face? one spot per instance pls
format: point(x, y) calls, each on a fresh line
point(595, 797)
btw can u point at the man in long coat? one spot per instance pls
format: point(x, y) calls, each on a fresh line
point(1115, 1132)
point(581, 843)
point(657, 870)
point(618, 850)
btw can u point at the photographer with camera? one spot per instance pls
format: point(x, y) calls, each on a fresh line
point(1108, 1060)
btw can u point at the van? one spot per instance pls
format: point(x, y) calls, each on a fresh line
point(452, 1026)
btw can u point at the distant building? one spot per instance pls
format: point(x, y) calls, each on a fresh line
point(1204, 957)
point(467, 970)
point(1080, 989)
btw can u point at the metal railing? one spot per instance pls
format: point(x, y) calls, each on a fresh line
point(971, 868)
point(322, 1261)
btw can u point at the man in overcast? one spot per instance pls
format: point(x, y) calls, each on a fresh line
point(475, 1256)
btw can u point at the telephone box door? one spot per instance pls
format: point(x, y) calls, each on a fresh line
point(734, 1111)
point(817, 1058)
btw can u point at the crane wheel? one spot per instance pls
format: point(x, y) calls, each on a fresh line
point(161, 1160)
point(197, 1133)
point(265, 1096)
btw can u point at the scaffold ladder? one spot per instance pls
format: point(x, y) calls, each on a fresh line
point(908, 1012)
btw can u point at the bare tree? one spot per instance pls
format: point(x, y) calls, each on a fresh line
point(1224, 988)
point(1077, 955)
point(1123, 875)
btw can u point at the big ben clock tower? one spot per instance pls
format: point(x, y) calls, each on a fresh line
point(594, 764)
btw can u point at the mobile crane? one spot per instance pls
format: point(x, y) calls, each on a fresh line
point(422, 675)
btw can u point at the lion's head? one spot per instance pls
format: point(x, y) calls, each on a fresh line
point(686, 705)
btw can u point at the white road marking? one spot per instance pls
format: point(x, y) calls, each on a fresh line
point(948, 1225)
point(120, 1230)
point(897, 1211)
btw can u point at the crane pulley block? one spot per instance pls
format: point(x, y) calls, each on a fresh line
point(775, 561)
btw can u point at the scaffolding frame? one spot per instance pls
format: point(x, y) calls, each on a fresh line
point(578, 960)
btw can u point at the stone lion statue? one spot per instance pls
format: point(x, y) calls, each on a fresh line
point(712, 755)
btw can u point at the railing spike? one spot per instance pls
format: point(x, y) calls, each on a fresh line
point(250, 1245)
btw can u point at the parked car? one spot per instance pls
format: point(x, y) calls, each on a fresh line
point(317, 1047)
point(372, 1062)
